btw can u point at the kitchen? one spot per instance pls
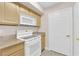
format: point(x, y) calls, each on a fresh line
point(14, 26)
point(39, 29)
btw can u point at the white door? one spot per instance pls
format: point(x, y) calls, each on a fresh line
point(60, 31)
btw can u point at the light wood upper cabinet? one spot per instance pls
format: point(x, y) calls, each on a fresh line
point(23, 10)
point(1, 12)
point(11, 13)
point(38, 20)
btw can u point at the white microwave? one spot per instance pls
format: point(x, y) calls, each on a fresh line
point(27, 20)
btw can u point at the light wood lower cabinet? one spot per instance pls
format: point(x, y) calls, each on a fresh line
point(0, 52)
point(15, 50)
point(18, 53)
point(42, 40)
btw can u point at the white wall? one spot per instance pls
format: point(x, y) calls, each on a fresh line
point(11, 30)
point(44, 26)
point(76, 29)
point(7, 30)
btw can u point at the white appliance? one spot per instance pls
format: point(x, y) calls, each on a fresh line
point(32, 43)
point(33, 46)
point(27, 19)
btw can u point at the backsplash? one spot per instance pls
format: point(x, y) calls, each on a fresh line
point(27, 28)
point(7, 30)
point(12, 30)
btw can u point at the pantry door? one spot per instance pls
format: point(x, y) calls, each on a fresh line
point(60, 31)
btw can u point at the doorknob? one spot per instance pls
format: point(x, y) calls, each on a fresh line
point(67, 35)
point(78, 39)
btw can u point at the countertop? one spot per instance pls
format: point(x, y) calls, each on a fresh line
point(7, 41)
point(38, 32)
point(4, 43)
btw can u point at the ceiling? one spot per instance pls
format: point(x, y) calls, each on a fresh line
point(46, 5)
point(39, 7)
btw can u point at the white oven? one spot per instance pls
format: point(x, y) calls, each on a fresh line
point(32, 45)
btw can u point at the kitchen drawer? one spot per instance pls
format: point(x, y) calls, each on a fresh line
point(9, 50)
point(18, 53)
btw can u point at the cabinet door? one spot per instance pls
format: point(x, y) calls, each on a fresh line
point(12, 49)
point(18, 53)
point(1, 12)
point(24, 11)
point(11, 13)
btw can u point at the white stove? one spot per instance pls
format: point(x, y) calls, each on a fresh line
point(32, 43)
